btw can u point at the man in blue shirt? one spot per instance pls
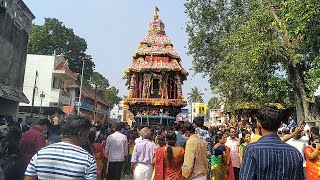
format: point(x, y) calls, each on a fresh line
point(269, 157)
point(181, 141)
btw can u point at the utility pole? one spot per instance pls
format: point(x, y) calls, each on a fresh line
point(34, 93)
point(41, 96)
point(191, 112)
point(95, 104)
point(87, 57)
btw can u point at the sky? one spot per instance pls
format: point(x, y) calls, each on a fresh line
point(113, 30)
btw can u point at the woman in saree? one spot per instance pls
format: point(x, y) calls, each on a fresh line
point(244, 142)
point(169, 159)
point(99, 154)
point(230, 171)
point(219, 159)
point(312, 156)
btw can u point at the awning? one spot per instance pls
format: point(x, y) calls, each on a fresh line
point(10, 93)
point(46, 110)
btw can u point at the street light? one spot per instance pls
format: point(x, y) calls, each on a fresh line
point(191, 111)
point(87, 57)
point(42, 95)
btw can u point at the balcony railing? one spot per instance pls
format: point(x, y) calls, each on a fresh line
point(84, 105)
point(60, 96)
point(103, 111)
point(90, 107)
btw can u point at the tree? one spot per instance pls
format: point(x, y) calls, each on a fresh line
point(52, 37)
point(109, 93)
point(99, 79)
point(195, 95)
point(214, 103)
point(258, 51)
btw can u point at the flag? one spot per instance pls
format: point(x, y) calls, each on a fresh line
point(157, 9)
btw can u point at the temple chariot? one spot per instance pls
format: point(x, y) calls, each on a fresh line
point(155, 79)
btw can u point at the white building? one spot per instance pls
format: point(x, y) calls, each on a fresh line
point(117, 112)
point(53, 76)
point(216, 116)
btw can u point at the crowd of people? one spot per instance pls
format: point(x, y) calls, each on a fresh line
point(152, 112)
point(76, 149)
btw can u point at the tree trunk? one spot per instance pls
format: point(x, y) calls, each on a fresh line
point(303, 107)
point(298, 105)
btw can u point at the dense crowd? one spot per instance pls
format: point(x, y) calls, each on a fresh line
point(266, 149)
point(152, 112)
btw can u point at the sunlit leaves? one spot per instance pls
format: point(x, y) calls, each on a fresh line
point(248, 47)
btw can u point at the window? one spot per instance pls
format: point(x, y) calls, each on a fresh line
point(54, 82)
point(120, 108)
point(60, 84)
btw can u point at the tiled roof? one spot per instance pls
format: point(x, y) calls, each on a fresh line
point(8, 92)
point(62, 67)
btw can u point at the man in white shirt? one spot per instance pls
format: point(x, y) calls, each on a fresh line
point(233, 143)
point(117, 149)
point(298, 144)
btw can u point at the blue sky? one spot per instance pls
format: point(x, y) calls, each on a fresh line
point(113, 30)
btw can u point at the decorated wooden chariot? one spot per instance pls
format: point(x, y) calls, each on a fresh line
point(155, 79)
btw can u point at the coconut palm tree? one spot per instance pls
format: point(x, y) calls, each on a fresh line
point(214, 103)
point(195, 95)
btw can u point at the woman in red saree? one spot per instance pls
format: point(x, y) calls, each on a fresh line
point(312, 156)
point(230, 166)
point(99, 154)
point(169, 159)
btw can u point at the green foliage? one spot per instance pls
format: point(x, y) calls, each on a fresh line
point(54, 36)
point(313, 78)
point(109, 93)
point(195, 96)
point(214, 103)
point(99, 79)
point(253, 50)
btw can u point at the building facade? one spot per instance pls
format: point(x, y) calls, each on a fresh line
point(92, 105)
point(117, 113)
point(49, 77)
point(215, 116)
point(57, 91)
point(15, 24)
point(199, 109)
